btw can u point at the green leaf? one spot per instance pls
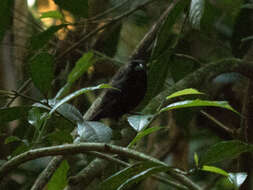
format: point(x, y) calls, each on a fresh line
point(163, 39)
point(139, 122)
point(93, 131)
point(51, 14)
point(188, 91)
point(59, 179)
point(214, 170)
point(182, 66)
point(138, 177)
point(11, 139)
point(142, 134)
point(196, 12)
point(21, 149)
point(13, 113)
point(63, 91)
point(36, 118)
point(76, 7)
point(41, 71)
point(60, 137)
point(82, 65)
point(5, 16)
point(237, 179)
point(198, 103)
point(38, 41)
point(132, 174)
point(225, 150)
point(247, 39)
point(77, 93)
point(67, 110)
point(247, 6)
point(196, 159)
point(159, 67)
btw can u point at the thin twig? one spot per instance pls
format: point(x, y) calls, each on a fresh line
point(23, 87)
point(113, 21)
point(230, 131)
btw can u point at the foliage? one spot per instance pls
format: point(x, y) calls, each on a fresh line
point(62, 77)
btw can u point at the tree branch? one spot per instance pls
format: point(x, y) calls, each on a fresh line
point(86, 147)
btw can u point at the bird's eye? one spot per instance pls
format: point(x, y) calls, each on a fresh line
point(139, 67)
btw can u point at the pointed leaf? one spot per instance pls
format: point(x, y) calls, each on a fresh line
point(237, 179)
point(81, 66)
point(214, 170)
point(160, 61)
point(38, 41)
point(142, 134)
point(41, 71)
point(67, 110)
point(139, 122)
point(93, 131)
point(188, 91)
point(196, 12)
point(76, 7)
point(196, 159)
point(13, 113)
point(121, 177)
point(198, 103)
point(36, 117)
point(51, 14)
point(77, 93)
point(140, 176)
point(11, 139)
point(225, 150)
point(59, 179)
point(63, 91)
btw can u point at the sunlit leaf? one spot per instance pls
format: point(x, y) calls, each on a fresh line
point(198, 103)
point(188, 91)
point(51, 14)
point(214, 169)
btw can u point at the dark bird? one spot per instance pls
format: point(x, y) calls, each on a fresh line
point(130, 83)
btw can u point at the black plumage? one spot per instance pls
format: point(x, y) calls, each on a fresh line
point(131, 84)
